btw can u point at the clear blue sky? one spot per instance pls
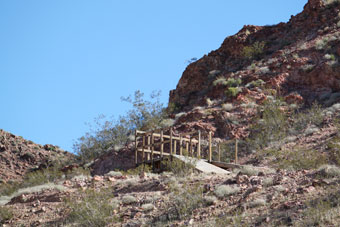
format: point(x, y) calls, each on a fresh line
point(64, 62)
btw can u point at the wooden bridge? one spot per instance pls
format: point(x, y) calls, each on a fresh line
point(165, 142)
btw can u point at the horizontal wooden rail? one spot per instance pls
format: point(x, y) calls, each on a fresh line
point(154, 152)
point(167, 136)
point(155, 144)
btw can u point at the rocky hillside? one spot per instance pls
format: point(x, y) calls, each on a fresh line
point(298, 60)
point(18, 156)
point(275, 88)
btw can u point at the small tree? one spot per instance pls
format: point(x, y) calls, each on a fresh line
point(111, 134)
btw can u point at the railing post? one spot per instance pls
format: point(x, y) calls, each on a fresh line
point(210, 147)
point(219, 152)
point(175, 146)
point(187, 147)
point(236, 150)
point(199, 144)
point(190, 147)
point(162, 145)
point(136, 148)
point(180, 145)
point(143, 149)
point(152, 146)
point(170, 141)
point(149, 148)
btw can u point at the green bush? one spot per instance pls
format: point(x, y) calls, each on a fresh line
point(223, 191)
point(254, 51)
point(109, 134)
point(299, 158)
point(233, 91)
point(271, 126)
point(93, 208)
point(180, 168)
point(185, 199)
point(6, 214)
point(324, 211)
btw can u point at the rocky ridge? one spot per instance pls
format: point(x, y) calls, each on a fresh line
point(19, 156)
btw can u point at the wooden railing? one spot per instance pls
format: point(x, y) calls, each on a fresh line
point(164, 142)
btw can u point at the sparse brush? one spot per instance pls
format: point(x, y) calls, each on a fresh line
point(329, 171)
point(185, 199)
point(6, 214)
point(148, 207)
point(210, 200)
point(321, 43)
point(257, 203)
point(253, 51)
point(223, 191)
point(227, 106)
point(220, 81)
point(128, 200)
point(93, 208)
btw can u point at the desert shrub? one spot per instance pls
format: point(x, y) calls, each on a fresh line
point(180, 168)
point(254, 51)
point(128, 200)
point(108, 134)
point(210, 200)
point(321, 43)
point(299, 158)
point(92, 208)
point(307, 68)
point(329, 57)
point(148, 207)
point(333, 147)
point(257, 202)
point(139, 169)
point(271, 126)
point(6, 214)
point(255, 83)
point(324, 211)
point(331, 3)
point(223, 191)
point(328, 171)
point(269, 181)
point(185, 199)
point(233, 91)
point(227, 106)
point(114, 174)
point(264, 70)
point(220, 81)
point(236, 218)
point(310, 116)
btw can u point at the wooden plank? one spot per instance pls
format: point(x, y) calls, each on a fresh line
point(156, 144)
point(156, 135)
point(154, 152)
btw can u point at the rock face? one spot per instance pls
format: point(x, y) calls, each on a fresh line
point(298, 56)
point(18, 156)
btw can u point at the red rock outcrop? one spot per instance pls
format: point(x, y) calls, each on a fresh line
point(295, 54)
